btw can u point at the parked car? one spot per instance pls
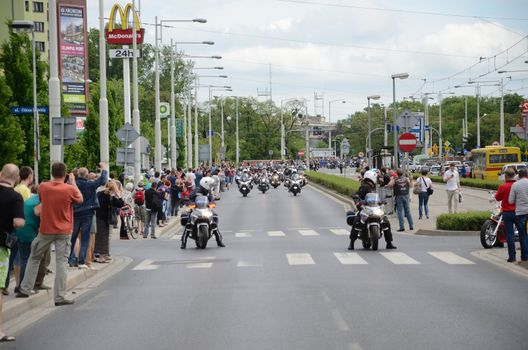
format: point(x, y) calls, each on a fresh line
point(435, 170)
point(516, 166)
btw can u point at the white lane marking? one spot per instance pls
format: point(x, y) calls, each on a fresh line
point(300, 259)
point(325, 296)
point(242, 234)
point(276, 234)
point(350, 259)
point(176, 236)
point(340, 232)
point(308, 233)
point(400, 259)
point(340, 321)
point(247, 263)
point(206, 265)
point(451, 258)
point(354, 346)
point(145, 265)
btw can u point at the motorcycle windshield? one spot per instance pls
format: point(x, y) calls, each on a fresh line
point(202, 202)
point(372, 199)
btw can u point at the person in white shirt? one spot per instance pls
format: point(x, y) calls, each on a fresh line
point(452, 180)
point(423, 198)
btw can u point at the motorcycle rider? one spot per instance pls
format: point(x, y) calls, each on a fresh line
point(368, 185)
point(204, 189)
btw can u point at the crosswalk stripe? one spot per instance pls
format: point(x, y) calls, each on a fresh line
point(340, 232)
point(350, 259)
point(176, 236)
point(308, 233)
point(247, 263)
point(242, 234)
point(276, 234)
point(451, 258)
point(206, 265)
point(400, 259)
point(145, 265)
point(300, 259)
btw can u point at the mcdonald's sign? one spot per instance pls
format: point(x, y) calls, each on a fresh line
point(122, 34)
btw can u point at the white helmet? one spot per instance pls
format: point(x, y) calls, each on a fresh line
point(207, 182)
point(372, 175)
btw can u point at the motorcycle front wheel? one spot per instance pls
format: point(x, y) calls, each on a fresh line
point(487, 238)
point(374, 236)
point(203, 237)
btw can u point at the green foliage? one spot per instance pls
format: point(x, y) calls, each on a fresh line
point(337, 183)
point(485, 184)
point(469, 221)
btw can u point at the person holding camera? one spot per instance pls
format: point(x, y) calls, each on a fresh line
point(452, 180)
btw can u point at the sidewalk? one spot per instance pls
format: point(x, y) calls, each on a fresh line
point(472, 199)
point(15, 307)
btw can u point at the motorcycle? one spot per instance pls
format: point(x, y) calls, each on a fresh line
point(492, 231)
point(373, 220)
point(203, 221)
point(245, 186)
point(263, 185)
point(275, 180)
point(295, 186)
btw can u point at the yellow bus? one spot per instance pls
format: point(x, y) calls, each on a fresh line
point(488, 161)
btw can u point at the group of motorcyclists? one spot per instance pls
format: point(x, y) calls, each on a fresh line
point(368, 223)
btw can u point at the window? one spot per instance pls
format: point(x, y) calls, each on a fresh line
point(27, 6)
point(38, 6)
point(503, 158)
point(39, 27)
point(40, 45)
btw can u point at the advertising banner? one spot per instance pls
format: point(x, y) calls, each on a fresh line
point(122, 34)
point(73, 57)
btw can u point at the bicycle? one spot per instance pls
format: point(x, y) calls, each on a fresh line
point(129, 219)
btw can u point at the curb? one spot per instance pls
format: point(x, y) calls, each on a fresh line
point(488, 256)
point(423, 232)
point(333, 193)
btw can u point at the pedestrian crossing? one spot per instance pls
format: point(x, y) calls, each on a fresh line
point(306, 259)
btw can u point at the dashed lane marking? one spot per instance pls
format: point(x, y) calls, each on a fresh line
point(247, 263)
point(205, 265)
point(308, 233)
point(451, 258)
point(300, 259)
point(340, 232)
point(276, 234)
point(242, 234)
point(400, 259)
point(145, 265)
point(350, 259)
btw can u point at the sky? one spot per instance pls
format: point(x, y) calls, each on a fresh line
point(347, 49)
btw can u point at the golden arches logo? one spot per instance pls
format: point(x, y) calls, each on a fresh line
point(123, 15)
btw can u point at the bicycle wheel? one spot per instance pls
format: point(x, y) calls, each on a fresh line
point(132, 227)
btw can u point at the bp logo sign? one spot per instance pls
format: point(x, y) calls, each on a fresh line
point(164, 110)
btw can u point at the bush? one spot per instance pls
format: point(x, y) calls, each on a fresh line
point(337, 183)
point(486, 184)
point(469, 221)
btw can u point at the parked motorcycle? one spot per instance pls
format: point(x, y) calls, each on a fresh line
point(203, 221)
point(492, 231)
point(373, 220)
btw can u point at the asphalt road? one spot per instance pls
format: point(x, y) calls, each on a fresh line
point(284, 281)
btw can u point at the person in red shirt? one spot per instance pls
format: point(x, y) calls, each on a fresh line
point(56, 226)
point(508, 211)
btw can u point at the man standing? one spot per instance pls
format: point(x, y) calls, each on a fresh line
point(11, 217)
point(56, 226)
point(153, 204)
point(83, 213)
point(401, 185)
point(519, 196)
point(508, 211)
point(452, 181)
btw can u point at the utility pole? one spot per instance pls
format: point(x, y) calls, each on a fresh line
point(54, 86)
point(157, 122)
point(135, 111)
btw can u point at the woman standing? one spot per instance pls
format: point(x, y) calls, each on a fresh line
point(423, 196)
point(109, 199)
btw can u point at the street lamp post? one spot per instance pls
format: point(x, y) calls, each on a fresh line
point(394, 77)
point(342, 100)
point(283, 135)
point(369, 150)
point(55, 89)
point(24, 27)
point(209, 133)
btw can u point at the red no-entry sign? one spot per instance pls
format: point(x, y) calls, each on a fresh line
point(407, 142)
point(300, 153)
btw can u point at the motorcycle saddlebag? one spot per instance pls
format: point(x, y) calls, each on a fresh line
point(350, 215)
point(184, 218)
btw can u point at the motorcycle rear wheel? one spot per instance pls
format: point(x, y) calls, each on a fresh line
point(366, 244)
point(374, 236)
point(487, 239)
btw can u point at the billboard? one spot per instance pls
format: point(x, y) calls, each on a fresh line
point(73, 57)
point(122, 35)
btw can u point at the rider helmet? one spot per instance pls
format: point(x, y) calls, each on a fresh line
point(207, 182)
point(371, 175)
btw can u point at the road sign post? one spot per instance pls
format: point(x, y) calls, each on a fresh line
point(127, 135)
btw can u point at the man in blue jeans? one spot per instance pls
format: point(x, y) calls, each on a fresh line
point(83, 213)
point(519, 196)
point(508, 211)
point(401, 185)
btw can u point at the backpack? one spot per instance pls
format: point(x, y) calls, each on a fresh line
point(417, 187)
point(139, 197)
